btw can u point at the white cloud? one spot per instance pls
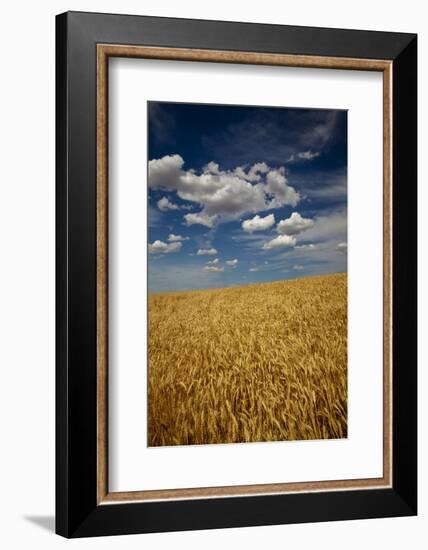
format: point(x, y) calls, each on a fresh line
point(232, 263)
point(280, 242)
point(164, 173)
point(303, 155)
point(212, 269)
point(252, 269)
point(159, 247)
point(223, 194)
point(176, 238)
point(308, 155)
point(342, 247)
point(328, 227)
point(298, 267)
point(276, 185)
point(254, 173)
point(206, 252)
point(294, 224)
point(258, 224)
point(213, 262)
point(200, 218)
point(165, 204)
point(212, 168)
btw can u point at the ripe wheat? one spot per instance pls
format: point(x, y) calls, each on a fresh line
point(263, 362)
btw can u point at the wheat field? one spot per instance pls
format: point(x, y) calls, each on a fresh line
point(265, 362)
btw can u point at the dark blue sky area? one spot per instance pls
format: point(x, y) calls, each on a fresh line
point(241, 195)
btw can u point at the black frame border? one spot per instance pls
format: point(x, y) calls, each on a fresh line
point(77, 512)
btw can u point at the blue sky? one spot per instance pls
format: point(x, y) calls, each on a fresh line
point(241, 195)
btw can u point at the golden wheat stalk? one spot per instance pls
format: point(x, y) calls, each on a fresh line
point(263, 362)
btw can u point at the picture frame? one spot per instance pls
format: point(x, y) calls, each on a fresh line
point(84, 44)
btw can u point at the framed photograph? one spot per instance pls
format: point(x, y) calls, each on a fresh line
point(236, 274)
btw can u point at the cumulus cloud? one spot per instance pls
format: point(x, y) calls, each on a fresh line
point(212, 269)
point(200, 218)
point(213, 262)
point(277, 186)
point(222, 194)
point(294, 224)
point(165, 204)
point(254, 173)
point(281, 241)
point(159, 247)
point(164, 173)
point(207, 252)
point(232, 263)
point(258, 223)
point(212, 168)
point(176, 238)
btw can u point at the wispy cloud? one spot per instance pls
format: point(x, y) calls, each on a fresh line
point(309, 246)
point(154, 217)
point(327, 227)
point(319, 185)
point(212, 269)
point(161, 121)
point(302, 156)
point(276, 135)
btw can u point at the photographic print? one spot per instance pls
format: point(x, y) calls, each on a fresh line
point(247, 274)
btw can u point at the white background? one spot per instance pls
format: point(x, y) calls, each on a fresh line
point(27, 274)
point(133, 466)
